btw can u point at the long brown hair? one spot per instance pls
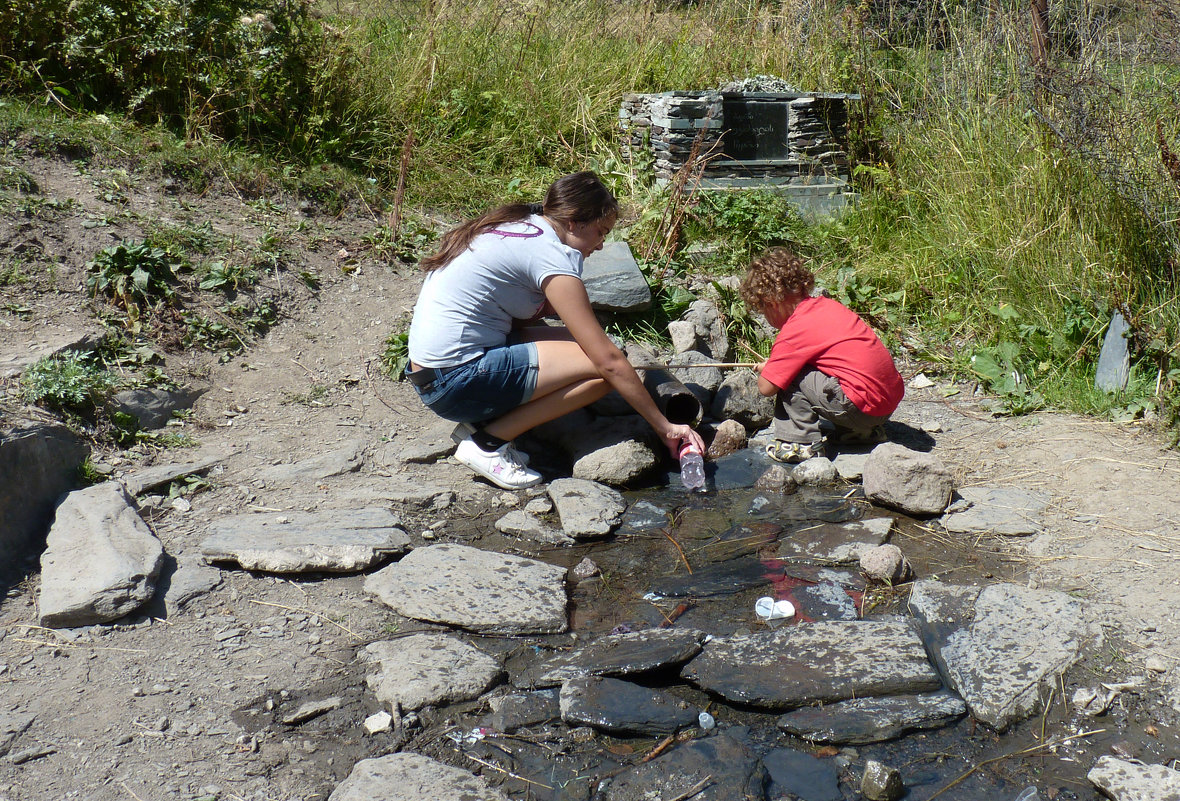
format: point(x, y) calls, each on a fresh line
point(580, 197)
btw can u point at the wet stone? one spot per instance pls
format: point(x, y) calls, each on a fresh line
point(740, 470)
point(836, 542)
point(519, 523)
point(474, 589)
point(1132, 781)
point(872, 720)
point(644, 516)
point(824, 601)
point(627, 654)
point(334, 540)
point(997, 510)
point(803, 776)
point(516, 710)
point(881, 782)
point(411, 777)
point(720, 766)
point(726, 578)
point(587, 509)
point(815, 663)
point(424, 669)
point(620, 707)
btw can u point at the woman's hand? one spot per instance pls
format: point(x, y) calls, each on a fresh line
point(676, 435)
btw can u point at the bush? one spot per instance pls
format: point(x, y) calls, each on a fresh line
point(69, 382)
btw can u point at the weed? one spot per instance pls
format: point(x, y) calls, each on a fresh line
point(313, 397)
point(68, 382)
point(131, 273)
point(310, 280)
point(227, 276)
point(396, 354)
point(18, 179)
point(413, 241)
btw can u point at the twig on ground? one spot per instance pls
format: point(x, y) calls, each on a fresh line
point(1056, 741)
point(305, 611)
point(516, 776)
point(691, 791)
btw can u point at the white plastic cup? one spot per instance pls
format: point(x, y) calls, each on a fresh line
point(769, 609)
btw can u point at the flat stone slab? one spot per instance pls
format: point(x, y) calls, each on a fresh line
point(474, 589)
point(998, 510)
point(148, 478)
point(587, 509)
point(726, 578)
point(412, 777)
point(332, 540)
point(872, 720)
point(424, 669)
point(842, 543)
point(101, 560)
point(613, 279)
point(1013, 640)
point(520, 523)
point(815, 663)
point(721, 767)
point(802, 775)
point(345, 459)
point(515, 710)
point(824, 601)
point(621, 707)
point(627, 654)
point(1133, 781)
point(191, 579)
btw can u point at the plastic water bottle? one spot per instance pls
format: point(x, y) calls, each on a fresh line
point(692, 468)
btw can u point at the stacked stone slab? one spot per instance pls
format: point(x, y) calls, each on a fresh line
point(664, 127)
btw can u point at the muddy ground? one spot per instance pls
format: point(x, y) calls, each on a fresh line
point(184, 706)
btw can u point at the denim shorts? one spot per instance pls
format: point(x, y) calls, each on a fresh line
point(484, 388)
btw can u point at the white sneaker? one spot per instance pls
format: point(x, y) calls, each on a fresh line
point(499, 467)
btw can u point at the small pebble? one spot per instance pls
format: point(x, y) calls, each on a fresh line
point(1155, 664)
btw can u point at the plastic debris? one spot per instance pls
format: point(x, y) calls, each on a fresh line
point(768, 609)
point(706, 721)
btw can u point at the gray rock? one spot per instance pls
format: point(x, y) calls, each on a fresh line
point(701, 381)
point(332, 540)
point(825, 662)
point(803, 776)
point(1122, 780)
point(684, 336)
point(431, 443)
point(399, 488)
point(425, 669)
point(1017, 639)
point(837, 542)
point(886, 564)
point(101, 559)
point(618, 464)
point(825, 601)
point(473, 589)
point(997, 510)
point(777, 478)
point(941, 609)
point(517, 710)
point(149, 478)
point(312, 709)
point(152, 407)
point(190, 580)
point(710, 329)
point(613, 280)
point(587, 509)
point(12, 726)
point(645, 516)
point(850, 466)
point(18, 356)
point(815, 471)
point(721, 767)
point(738, 399)
point(881, 782)
point(345, 459)
point(620, 707)
point(730, 438)
point(872, 720)
point(407, 776)
point(1114, 360)
point(914, 482)
point(627, 654)
point(585, 569)
point(519, 523)
point(38, 464)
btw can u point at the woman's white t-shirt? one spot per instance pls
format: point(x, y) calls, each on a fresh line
point(470, 304)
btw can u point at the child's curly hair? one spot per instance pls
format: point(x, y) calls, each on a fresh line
point(777, 274)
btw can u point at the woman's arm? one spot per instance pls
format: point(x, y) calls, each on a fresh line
point(568, 297)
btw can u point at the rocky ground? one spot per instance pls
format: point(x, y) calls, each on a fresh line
point(238, 683)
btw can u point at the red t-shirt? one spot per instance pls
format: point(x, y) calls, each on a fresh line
point(824, 333)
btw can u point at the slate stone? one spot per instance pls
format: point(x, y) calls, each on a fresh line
point(407, 776)
point(191, 579)
point(998, 510)
point(473, 589)
point(332, 540)
point(519, 523)
point(348, 458)
point(1018, 638)
point(613, 280)
point(38, 464)
point(872, 720)
point(425, 669)
point(1122, 780)
point(722, 767)
point(941, 609)
point(101, 560)
point(17, 356)
point(152, 407)
point(814, 663)
point(914, 482)
point(725, 578)
point(620, 707)
point(738, 399)
point(802, 775)
point(644, 516)
point(850, 466)
point(626, 654)
point(710, 329)
point(149, 478)
point(587, 509)
point(12, 726)
point(403, 489)
point(824, 601)
point(431, 443)
point(1114, 360)
point(842, 543)
point(517, 710)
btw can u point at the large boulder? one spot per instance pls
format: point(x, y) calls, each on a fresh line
point(38, 464)
point(914, 482)
point(587, 509)
point(152, 407)
point(101, 561)
point(710, 329)
point(738, 399)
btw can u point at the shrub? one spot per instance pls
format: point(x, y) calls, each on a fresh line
point(69, 382)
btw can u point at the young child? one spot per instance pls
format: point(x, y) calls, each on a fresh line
point(825, 362)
